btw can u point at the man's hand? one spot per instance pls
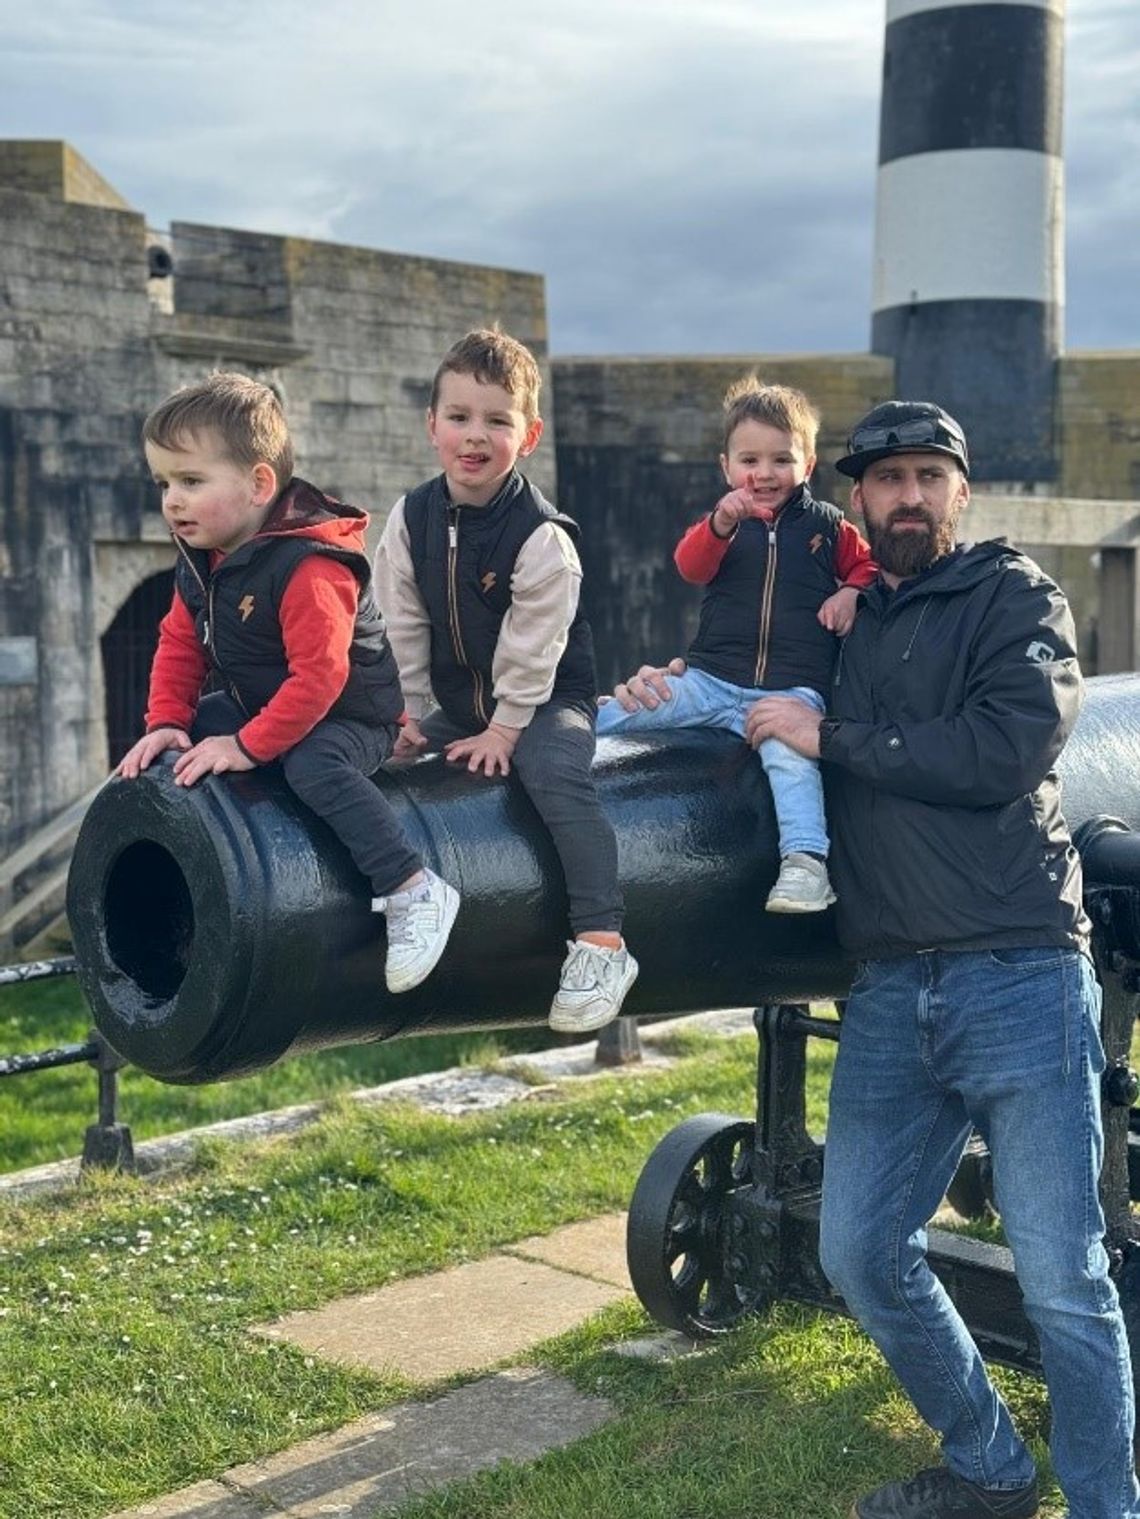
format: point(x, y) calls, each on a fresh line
point(489, 751)
point(648, 688)
point(732, 509)
point(786, 718)
point(147, 750)
point(838, 612)
point(410, 742)
point(210, 757)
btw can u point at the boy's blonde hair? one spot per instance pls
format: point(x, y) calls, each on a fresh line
point(782, 406)
point(244, 413)
point(495, 358)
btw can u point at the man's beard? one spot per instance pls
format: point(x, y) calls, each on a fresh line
point(908, 551)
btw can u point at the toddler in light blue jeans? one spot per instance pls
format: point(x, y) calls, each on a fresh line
point(770, 557)
point(700, 700)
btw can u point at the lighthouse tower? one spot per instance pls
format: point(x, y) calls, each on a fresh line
point(968, 271)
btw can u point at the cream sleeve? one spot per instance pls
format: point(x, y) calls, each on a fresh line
point(405, 616)
point(545, 584)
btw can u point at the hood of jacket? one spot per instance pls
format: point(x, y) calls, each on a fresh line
point(302, 510)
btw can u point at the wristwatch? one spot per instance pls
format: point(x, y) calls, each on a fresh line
point(827, 730)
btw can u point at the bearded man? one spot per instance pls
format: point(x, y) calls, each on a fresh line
point(975, 1004)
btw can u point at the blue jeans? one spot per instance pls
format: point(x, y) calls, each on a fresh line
point(704, 701)
point(1005, 1041)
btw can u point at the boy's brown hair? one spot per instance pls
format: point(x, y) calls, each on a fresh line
point(245, 414)
point(782, 406)
point(495, 358)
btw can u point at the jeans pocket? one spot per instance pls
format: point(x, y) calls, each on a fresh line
point(1039, 957)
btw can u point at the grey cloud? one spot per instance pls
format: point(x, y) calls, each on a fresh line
point(688, 178)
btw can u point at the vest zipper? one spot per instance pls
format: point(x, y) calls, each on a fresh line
point(766, 608)
point(453, 610)
point(208, 626)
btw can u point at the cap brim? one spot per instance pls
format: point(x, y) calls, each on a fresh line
point(853, 465)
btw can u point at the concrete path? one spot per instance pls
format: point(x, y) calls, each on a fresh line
point(430, 1328)
point(378, 1462)
point(470, 1316)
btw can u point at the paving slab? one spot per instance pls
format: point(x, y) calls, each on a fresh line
point(454, 1092)
point(725, 1023)
point(379, 1462)
point(667, 1346)
point(580, 1060)
point(595, 1248)
point(205, 1500)
point(452, 1321)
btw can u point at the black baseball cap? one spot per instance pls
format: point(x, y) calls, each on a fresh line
point(903, 427)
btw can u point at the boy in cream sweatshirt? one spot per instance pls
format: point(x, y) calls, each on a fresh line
point(479, 579)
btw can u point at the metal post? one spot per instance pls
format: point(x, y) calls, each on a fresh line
point(107, 1145)
point(619, 1043)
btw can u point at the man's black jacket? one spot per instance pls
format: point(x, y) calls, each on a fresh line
point(955, 696)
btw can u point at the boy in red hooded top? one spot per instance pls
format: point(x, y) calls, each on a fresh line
point(273, 597)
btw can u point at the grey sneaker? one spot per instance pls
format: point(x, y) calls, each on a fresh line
point(592, 987)
point(939, 1493)
point(418, 930)
point(801, 886)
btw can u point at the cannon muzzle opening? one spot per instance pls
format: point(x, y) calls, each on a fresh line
point(149, 917)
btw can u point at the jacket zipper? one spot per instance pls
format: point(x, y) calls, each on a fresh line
point(766, 608)
point(208, 627)
point(453, 609)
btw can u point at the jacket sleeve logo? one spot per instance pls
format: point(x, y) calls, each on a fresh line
point(1040, 653)
point(245, 607)
point(815, 543)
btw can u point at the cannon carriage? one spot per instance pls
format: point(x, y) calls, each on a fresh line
point(220, 929)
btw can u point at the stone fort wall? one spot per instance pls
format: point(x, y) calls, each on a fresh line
point(89, 341)
point(91, 337)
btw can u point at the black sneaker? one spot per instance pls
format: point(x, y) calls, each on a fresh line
point(939, 1493)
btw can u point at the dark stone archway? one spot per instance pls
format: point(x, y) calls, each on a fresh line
point(128, 648)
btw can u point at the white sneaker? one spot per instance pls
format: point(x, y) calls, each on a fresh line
point(592, 987)
point(801, 886)
point(419, 923)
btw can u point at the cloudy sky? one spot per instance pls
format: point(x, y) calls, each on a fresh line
point(690, 175)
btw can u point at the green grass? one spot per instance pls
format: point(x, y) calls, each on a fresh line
point(127, 1369)
point(43, 1114)
point(791, 1417)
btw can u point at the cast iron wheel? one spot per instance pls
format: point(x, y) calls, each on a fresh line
point(680, 1262)
point(971, 1193)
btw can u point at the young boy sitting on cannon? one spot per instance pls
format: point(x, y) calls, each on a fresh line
point(273, 599)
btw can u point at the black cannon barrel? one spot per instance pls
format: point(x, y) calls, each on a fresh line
point(218, 929)
point(221, 927)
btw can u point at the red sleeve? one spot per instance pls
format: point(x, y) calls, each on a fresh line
point(699, 554)
point(853, 562)
point(318, 614)
point(179, 671)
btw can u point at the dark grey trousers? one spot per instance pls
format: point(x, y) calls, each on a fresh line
point(329, 771)
point(552, 760)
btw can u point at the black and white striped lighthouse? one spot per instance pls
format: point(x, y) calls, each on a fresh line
point(968, 281)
